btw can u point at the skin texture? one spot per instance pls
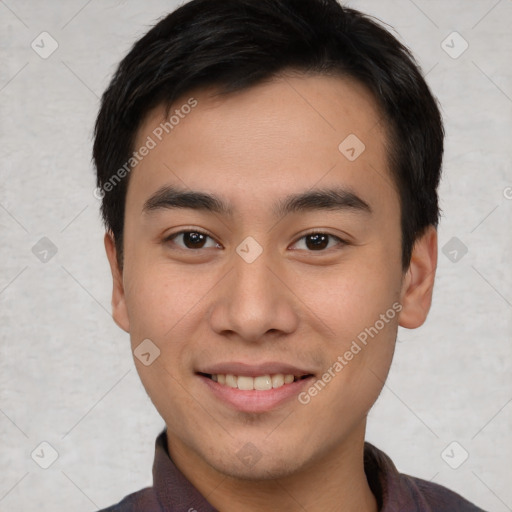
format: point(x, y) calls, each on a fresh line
point(293, 304)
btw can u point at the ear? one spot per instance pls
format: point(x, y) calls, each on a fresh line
point(418, 283)
point(119, 312)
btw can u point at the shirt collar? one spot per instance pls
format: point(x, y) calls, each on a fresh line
point(176, 494)
point(173, 491)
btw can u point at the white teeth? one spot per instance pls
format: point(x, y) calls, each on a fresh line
point(277, 380)
point(231, 381)
point(245, 383)
point(260, 383)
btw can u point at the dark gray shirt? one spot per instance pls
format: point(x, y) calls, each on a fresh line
point(394, 491)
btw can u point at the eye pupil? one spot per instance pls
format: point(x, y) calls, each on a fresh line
point(194, 239)
point(320, 241)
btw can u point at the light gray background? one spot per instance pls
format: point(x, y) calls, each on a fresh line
point(67, 376)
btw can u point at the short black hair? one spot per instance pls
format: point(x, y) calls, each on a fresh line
point(234, 44)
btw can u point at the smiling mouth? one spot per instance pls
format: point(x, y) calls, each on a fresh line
point(259, 383)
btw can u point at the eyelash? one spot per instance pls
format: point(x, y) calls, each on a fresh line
point(171, 237)
point(341, 241)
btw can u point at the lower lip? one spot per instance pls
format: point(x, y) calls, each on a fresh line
point(255, 400)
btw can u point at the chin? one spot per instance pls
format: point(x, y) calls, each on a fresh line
point(248, 463)
point(262, 470)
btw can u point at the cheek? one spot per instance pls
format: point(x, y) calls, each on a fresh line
point(356, 370)
point(359, 305)
point(160, 302)
point(159, 297)
point(351, 296)
point(169, 393)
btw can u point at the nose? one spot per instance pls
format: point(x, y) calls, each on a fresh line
point(254, 302)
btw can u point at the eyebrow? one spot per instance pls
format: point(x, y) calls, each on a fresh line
point(336, 199)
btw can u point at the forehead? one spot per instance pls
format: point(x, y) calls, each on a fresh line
point(287, 135)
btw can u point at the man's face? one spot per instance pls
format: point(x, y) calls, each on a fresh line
point(255, 295)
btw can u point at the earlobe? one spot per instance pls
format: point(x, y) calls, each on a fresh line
point(418, 283)
point(119, 312)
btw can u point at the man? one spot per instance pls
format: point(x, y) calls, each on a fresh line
point(268, 172)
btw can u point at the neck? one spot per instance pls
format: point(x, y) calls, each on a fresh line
point(335, 482)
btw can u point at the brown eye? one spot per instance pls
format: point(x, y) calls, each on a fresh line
point(191, 240)
point(318, 241)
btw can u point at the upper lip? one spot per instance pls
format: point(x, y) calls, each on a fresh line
point(253, 370)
